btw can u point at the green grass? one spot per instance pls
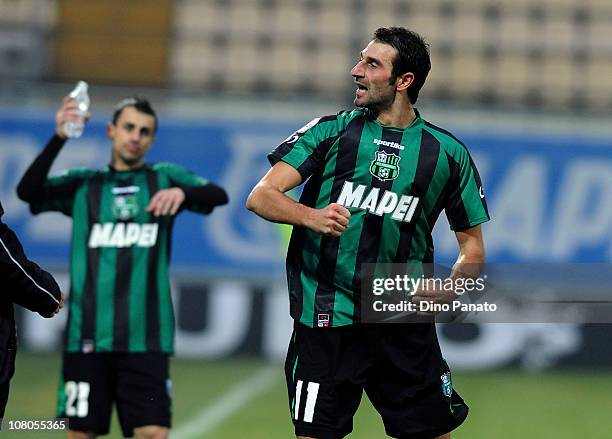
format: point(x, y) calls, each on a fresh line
point(504, 405)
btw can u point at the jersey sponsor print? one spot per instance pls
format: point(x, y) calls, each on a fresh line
point(395, 182)
point(120, 290)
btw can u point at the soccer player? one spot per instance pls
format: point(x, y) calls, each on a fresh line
point(120, 330)
point(26, 284)
point(377, 179)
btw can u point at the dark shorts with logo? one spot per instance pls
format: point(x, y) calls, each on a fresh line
point(399, 366)
point(138, 383)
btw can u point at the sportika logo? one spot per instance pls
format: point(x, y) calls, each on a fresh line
point(388, 143)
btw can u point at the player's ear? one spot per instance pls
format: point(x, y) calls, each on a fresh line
point(110, 129)
point(404, 81)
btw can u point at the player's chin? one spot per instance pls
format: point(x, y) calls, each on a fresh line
point(132, 158)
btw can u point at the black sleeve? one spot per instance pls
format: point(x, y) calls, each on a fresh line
point(206, 197)
point(24, 282)
point(30, 188)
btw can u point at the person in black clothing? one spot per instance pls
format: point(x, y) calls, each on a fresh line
point(28, 285)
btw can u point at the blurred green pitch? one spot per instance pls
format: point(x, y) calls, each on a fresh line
point(504, 405)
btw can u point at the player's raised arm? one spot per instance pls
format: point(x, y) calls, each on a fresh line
point(30, 187)
point(268, 200)
point(69, 110)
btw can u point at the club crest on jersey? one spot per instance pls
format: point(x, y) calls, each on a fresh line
point(385, 166)
point(125, 207)
point(447, 385)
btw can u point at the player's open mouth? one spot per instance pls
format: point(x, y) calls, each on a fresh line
point(360, 90)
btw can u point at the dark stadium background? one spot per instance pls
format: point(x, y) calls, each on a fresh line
point(526, 84)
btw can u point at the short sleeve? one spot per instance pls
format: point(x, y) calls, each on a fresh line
point(306, 148)
point(466, 204)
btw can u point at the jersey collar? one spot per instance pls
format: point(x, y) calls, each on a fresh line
point(110, 168)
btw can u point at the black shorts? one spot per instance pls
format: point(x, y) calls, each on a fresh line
point(138, 383)
point(400, 367)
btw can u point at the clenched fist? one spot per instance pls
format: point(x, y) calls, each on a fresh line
point(332, 220)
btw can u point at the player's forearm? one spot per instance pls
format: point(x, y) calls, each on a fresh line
point(272, 204)
point(469, 264)
point(206, 197)
point(471, 258)
point(33, 180)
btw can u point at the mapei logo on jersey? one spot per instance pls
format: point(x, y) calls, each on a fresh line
point(121, 235)
point(385, 166)
point(402, 207)
point(125, 203)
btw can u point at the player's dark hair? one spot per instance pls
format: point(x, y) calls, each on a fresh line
point(140, 104)
point(412, 55)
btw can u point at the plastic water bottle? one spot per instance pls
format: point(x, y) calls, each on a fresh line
point(74, 128)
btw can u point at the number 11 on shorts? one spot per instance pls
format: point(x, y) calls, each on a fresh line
point(312, 390)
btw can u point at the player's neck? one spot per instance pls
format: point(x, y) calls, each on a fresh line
point(399, 114)
point(122, 166)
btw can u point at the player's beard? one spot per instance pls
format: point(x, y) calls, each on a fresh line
point(378, 104)
point(378, 100)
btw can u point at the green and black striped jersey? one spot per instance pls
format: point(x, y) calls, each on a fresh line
point(395, 182)
point(120, 290)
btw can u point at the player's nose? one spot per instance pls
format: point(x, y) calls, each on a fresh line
point(357, 70)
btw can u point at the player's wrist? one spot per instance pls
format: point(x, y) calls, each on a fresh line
point(60, 134)
point(306, 217)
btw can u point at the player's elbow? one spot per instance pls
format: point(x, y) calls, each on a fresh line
point(218, 195)
point(259, 198)
point(223, 198)
point(254, 199)
point(29, 193)
point(24, 193)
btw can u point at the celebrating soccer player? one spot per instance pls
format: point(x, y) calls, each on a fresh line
point(377, 179)
point(120, 329)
